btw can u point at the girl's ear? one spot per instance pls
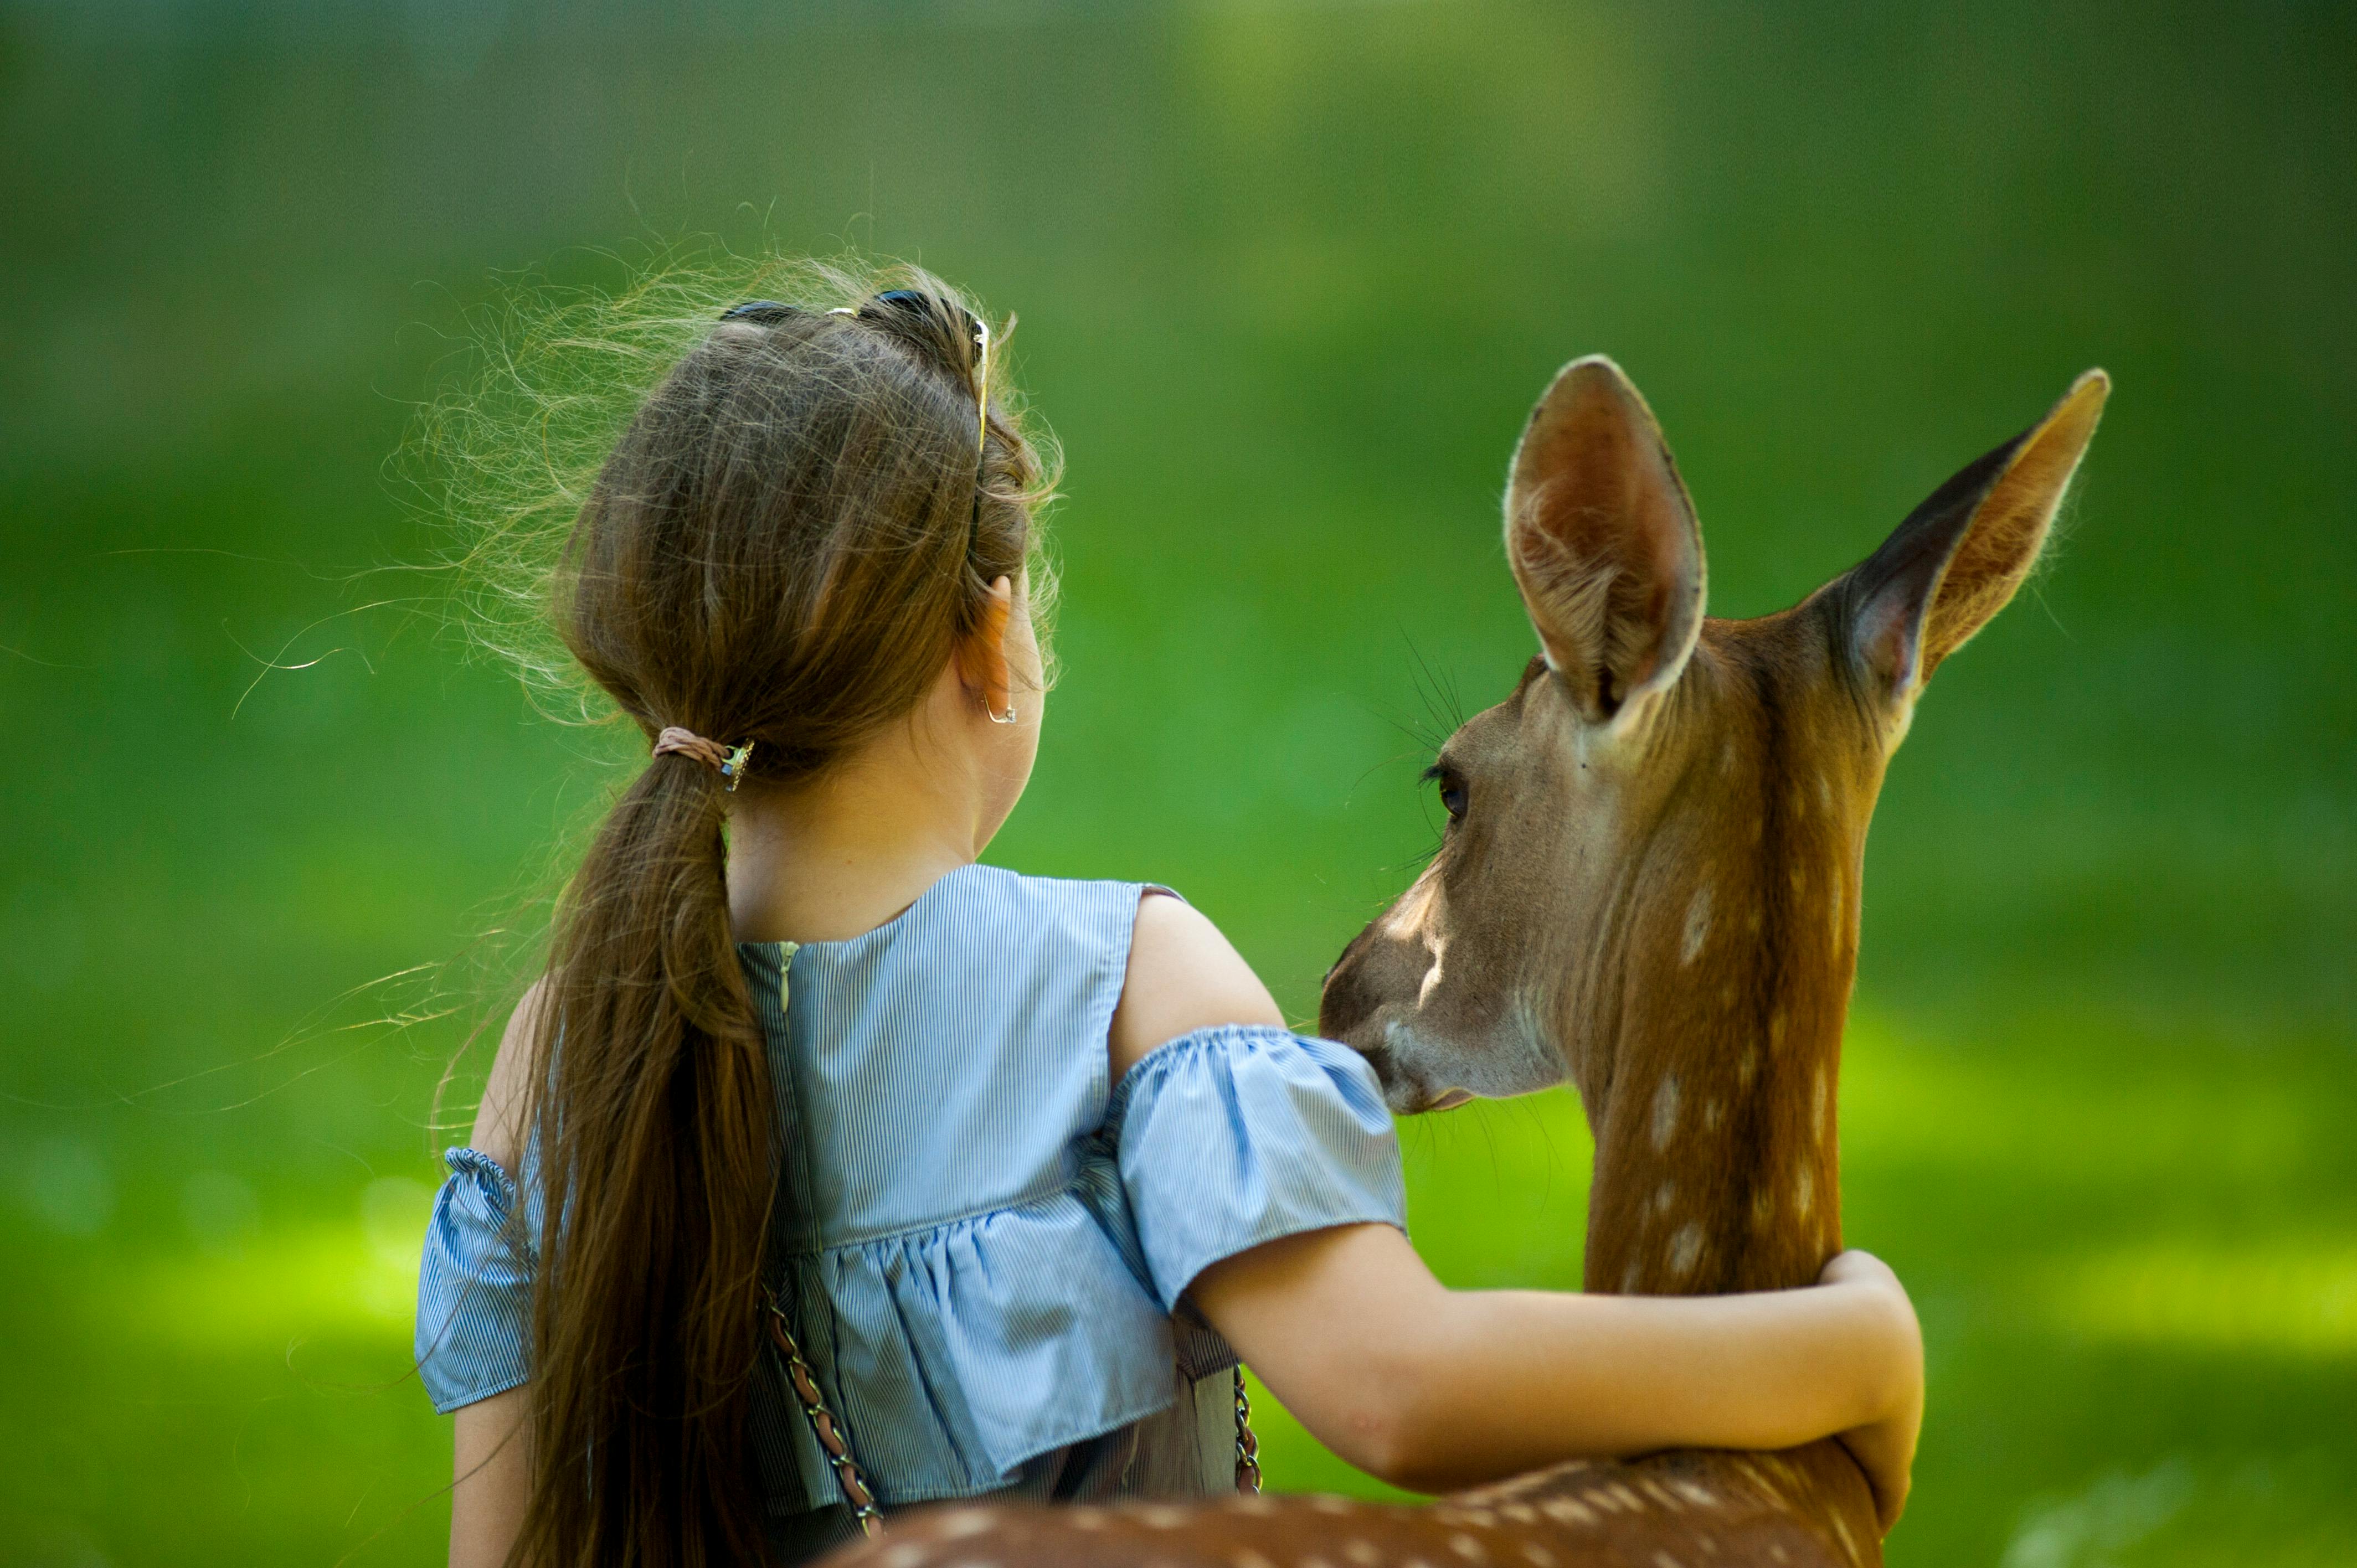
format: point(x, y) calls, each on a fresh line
point(982, 658)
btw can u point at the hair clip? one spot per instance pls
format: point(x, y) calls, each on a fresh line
point(761, 311)
point(734, 768)
point(912, 302)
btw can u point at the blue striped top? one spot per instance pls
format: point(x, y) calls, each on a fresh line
point(986, 1243)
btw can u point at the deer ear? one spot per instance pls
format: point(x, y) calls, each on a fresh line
point(1959, 556)
point(1603, 540)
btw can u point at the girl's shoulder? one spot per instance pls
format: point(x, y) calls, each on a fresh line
point(500, 1118)
point(1183, 975)
point(1177, 972)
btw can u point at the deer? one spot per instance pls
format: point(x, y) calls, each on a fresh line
point(1648, 886)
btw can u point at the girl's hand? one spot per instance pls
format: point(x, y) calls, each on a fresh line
point(1885, 1448)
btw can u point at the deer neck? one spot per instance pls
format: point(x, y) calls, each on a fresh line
point(1713, 1090)
point(1719, 1175)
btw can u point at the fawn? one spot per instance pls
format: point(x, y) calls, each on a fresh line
point(1649, 887)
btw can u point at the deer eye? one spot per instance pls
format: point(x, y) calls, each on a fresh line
point(1452, 791)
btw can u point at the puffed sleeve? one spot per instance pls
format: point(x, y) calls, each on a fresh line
point(474, 1285)
point(1233, 1136)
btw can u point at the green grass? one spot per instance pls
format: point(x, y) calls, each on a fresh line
point(1288, 278)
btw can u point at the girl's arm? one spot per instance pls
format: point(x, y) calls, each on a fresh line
point(1430, 1387)
point(491, 1470)
point(1433, 1389)
point(493, 1480)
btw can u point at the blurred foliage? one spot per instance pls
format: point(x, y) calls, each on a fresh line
point(1289, 277)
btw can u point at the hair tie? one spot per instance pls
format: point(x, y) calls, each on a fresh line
point(729, 765)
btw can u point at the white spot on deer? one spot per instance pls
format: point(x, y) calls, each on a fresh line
point(1161, 1516)
point(1259, 1507)
point(1776, 1551)
point(1665, 1114)
point(1313, 1561)
point(1747, 1066)
point(1656, 1490)
point(1763, 1210)
point(1805, 1193)
point(1521, 1513)
point(1080, 1516)
point(1712, 1111)
point(1825, 791)
point(1685, 1249)
point(1841, 1527)
point(1664, 1560)
point(1539, 1555)
point(1697, 926)
point(1327, 1502)
point(1628, 1279)
point(1245, 1557)
point(908, 1555)
point(1727, 757)
point(1467, 1548)
point(1776, 1029)
point(1568, 1511)
point(962, 1522)
point(1839, 894)
point(1439, 946)
point(1362, 1552)
point(1817, 1099)
point(1627, 1498)
point(1694, 1492)
point(1664, 1196)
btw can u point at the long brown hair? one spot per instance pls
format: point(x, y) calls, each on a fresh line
point(784, 546)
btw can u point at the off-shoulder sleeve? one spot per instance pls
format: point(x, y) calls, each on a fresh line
point(474, 1285)
point(1233, 1136)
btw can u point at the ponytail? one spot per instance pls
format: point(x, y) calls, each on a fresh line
point(654, 1127)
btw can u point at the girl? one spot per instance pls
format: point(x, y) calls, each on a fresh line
point(825, 1162)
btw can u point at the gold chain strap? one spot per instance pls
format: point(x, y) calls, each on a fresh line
point(1247, 1446)
point(823, 1426)
point(857, 1494)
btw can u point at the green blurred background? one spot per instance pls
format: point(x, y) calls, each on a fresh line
point(1289, 276)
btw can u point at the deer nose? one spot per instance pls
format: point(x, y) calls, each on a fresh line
point(1342, 1001)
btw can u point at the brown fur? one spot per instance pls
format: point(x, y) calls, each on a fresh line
point(1563, 931)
